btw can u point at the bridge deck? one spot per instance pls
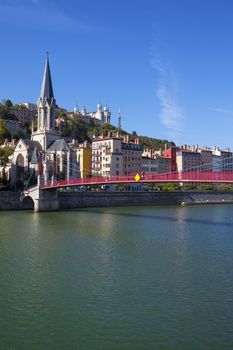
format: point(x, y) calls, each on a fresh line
point(187, 177)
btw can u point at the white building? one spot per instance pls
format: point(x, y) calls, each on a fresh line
point(107, 158)
point(195, 158)
point(29, 105)
point(116, 156)
point(100, 117)
point(226, 158)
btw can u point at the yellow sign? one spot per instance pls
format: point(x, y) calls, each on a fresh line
point(137, 177)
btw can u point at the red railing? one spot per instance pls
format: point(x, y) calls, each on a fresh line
point(205, 177)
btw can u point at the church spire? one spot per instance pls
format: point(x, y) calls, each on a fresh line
point(46, 104)
point(46, 87)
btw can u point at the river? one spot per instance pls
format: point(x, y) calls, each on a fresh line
point(117, 278)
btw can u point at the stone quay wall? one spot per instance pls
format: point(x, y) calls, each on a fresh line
point(9, 200)
point(68, 200)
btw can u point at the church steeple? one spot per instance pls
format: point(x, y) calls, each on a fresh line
point(47, 87)
point(46, 107)
point(46, 102)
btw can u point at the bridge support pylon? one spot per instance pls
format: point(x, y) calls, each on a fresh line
point(44, 200)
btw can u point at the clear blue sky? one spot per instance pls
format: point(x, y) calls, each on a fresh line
point(167, 64)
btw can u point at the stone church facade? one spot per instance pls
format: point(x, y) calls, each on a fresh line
point(46, 152)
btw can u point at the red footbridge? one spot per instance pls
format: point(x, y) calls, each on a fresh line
point(217, 177)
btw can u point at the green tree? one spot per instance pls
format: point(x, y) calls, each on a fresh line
point(3, 112)
point(3, 179)
point(8, 104)
point(4, 155)
point(3, 131)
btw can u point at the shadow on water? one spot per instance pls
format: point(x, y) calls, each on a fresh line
point(159, 217)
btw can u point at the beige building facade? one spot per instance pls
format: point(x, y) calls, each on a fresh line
point(116, 156)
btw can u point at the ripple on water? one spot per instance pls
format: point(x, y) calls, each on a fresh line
point(117, 278)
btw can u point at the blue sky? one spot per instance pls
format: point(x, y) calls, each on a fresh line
point(167, 64)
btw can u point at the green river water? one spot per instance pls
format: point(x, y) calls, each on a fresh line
point(117, 278)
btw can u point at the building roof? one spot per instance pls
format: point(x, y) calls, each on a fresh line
point(107, 138)
point(131, 146)
point(46, 87)
point(32, 144)
point(34, 158)
point(58, 146)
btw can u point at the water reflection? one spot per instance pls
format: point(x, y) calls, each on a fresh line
point(109, 278)
point(173, 219)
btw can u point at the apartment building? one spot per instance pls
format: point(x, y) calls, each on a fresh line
point(107, 158)
point(226, 159)
point(114, 155)
point(170, 153)
point(23, 115)
point(84, 159)
point(188, 160)
point(132, 156)
point(156, 165)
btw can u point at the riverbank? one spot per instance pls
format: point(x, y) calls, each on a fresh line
point(71, 200)
point(68, 200)
point(9, 200)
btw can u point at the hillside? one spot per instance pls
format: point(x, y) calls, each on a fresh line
point(145, 141)
point(80, 130)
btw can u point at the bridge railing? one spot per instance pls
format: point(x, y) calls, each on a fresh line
point(147, 177)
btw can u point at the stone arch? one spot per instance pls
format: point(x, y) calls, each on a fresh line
point(27, 203)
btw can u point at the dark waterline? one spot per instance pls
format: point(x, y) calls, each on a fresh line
point(117, 278)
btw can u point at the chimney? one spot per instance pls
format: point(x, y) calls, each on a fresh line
point(126, 138)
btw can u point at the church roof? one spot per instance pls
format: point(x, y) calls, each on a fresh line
point(46, 87)
point(32, 148)
point(58, 145)
point(34, 159)
point(32, 144)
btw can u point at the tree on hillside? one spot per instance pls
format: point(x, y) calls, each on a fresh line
point(3, 112)
point(21, 107)
point(3, 131)
point(8, 104)
point(4, 155)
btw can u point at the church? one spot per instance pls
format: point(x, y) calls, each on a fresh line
point(46, 152)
